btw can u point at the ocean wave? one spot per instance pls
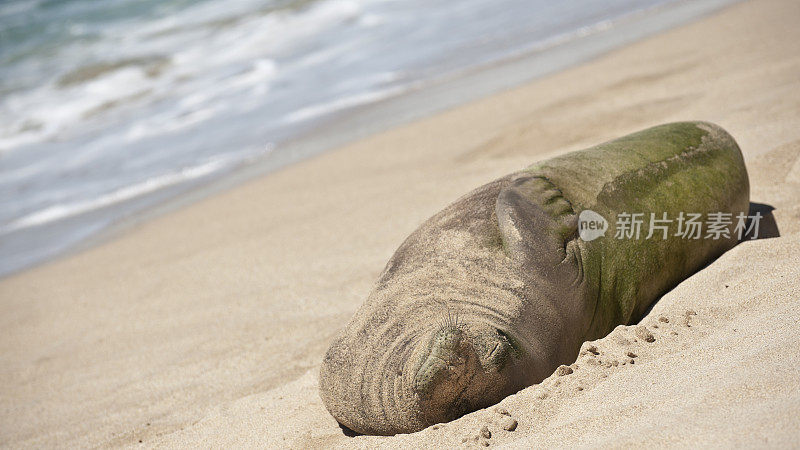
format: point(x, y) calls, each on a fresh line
point(322, 109)
point(65, 210)
point(56, 110)
point(155, 64)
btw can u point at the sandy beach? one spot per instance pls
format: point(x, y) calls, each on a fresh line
point(205, 327)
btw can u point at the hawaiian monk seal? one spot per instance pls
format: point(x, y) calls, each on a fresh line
point(496, 291)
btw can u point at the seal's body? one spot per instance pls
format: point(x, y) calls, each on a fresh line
point(497, 290)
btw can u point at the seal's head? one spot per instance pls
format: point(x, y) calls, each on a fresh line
point(404, 362)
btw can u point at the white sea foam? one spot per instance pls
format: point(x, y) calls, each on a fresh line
point(197, 61)
point(62, 211)
point(322, 109)
point(57, 109)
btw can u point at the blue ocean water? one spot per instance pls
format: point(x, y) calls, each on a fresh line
point(107, 106)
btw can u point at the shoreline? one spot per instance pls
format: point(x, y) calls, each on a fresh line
point(423, 101)
point(205, 326)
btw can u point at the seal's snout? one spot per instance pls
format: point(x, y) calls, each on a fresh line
point(461, 365)
point(446, 370)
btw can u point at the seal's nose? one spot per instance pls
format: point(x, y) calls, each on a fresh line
point(460, 361)
point(446, 371)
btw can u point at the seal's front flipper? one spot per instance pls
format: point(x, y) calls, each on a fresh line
point(539, 229)
point(535, 220)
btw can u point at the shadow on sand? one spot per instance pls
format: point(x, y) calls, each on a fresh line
point(767, 227)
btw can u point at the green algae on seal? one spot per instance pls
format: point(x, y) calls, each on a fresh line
point(496, 291)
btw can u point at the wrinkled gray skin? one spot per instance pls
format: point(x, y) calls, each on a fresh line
point(497, 290)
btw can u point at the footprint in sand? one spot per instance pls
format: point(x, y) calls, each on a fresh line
point(507, 422)
point(687, 316)
point(563, 371)
point(644, 334)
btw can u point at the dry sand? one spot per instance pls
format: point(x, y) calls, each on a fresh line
point(205, 327)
